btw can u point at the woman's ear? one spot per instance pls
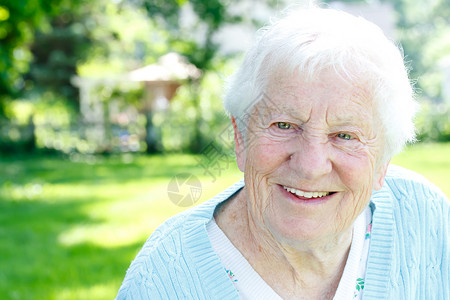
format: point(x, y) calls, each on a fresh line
point(239, 146)
point(379, 176)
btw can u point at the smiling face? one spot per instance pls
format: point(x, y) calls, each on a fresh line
point(311, 157)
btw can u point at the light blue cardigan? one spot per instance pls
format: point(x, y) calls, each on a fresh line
point(408, 256)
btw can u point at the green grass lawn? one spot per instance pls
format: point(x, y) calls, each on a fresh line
point(430, 160)
point(70, 228)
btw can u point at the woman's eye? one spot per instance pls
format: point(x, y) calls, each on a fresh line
point(283, 125)
point(344, 136)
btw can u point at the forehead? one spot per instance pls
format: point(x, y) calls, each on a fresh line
point(342, 100)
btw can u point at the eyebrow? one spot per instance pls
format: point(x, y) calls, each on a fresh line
point(361, 121)
point(281, 109)
point(268, 108)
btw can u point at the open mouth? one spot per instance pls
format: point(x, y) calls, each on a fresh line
point(308, 195)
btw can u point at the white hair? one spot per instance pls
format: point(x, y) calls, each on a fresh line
point(309, 40)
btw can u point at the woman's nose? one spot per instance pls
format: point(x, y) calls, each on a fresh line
point(311, 159)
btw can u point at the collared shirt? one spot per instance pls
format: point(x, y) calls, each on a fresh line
point(250, 285)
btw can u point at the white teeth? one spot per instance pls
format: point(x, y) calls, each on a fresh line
point(306, 194)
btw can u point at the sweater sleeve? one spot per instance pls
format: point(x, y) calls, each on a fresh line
point(420, 252)
point(161, 271)
point(178, 262)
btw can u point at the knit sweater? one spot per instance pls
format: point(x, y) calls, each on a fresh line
point(408, 257)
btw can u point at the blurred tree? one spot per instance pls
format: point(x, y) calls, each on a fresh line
point(56, 53)
point(424, 31)
point(44, 44)
point(41, 44)
point(125, 39)
point(19, 21)
point(211, 15)
point(130, 40)
point(195, 41)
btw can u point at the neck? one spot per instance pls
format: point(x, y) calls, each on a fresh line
point(289, 267)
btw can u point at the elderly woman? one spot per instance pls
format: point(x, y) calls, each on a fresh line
point(320, 104)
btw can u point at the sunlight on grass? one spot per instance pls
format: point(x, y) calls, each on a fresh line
point(98, 291)
point(130, 219)
point(430, 160)
point(78, 224)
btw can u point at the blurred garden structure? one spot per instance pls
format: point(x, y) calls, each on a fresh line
point(58, 91)
point(107, 124)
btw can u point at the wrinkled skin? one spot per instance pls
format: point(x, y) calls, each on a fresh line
point(319, 135)
point(313, 154)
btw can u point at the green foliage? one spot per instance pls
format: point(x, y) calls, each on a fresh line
point(56, 54)
point(424, 32)
point(125, 39)
point(39, 49)
point(44, 43)
point(19, 20)
point(211, 16)
point(179, 124)
point(433, 122)
point(17, 23)
point(114, 40)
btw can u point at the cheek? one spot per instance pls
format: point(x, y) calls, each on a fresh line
point(265, 155)
point(356, 166)
point(356, 173)
point(263, 158)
